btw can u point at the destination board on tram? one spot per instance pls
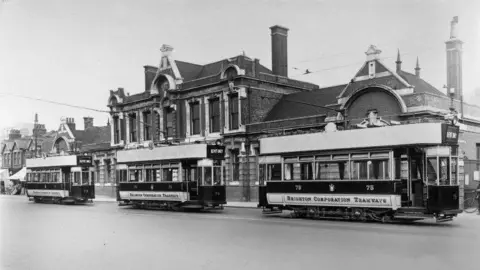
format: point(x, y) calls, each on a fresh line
point(450, 134)
point(84, 161)
point(216, 152)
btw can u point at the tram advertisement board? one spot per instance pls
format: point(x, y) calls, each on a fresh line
point(84, 161)
point(450, 134)
point(215, 152)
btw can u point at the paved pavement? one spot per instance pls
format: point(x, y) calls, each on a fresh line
point(105, 236)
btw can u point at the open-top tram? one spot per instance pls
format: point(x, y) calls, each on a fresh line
point(402, 172)
point(61, 179)
point(178, 177)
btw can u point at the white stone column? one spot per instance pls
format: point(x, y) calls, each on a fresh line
point(112, 130)
point(226, 113)
point(127, 128)
point(187, 119)
point(207, 116)
point(141, 137)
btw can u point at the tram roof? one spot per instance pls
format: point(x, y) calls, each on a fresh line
point(56, 161)
point(388, 136)
point(186, 151)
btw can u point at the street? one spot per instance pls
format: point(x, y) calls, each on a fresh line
point(105, 236)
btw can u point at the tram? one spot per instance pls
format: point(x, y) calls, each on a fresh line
point(177, 177)
point(406, 172)
point(65, 179)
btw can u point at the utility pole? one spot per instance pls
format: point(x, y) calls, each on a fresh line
point(35, 127)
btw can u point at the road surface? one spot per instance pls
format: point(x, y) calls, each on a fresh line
point(105, 236)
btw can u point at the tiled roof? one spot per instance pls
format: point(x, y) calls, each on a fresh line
point(8, 145)
point(289, 106)
point(421, 86)
point(96, 147)
point(22, 143)
point(390, 81)
point(187, 70)
point(136, 97)
point(93, 135)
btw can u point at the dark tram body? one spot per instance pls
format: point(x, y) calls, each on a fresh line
point(172, 177)
point(61, 179)
point(402, 172)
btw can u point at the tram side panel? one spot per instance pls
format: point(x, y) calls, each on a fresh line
point(59, 190)
point(215, 195)
point(160, 191)
point(356, 194)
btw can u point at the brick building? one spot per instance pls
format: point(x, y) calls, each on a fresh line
point(189, 103)
point(394, 94)
point(93, 140)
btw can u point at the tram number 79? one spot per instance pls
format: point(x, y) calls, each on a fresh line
point(298, 187)
point(370, 187)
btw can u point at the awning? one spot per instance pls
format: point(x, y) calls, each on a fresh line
point(20, 175)
point(3, 174)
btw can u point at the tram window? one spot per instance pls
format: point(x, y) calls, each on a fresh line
point(36, 177)
point(332, 170)
point(207, 176)
point(261, 173)
point(306, 171)
point(444, 171)
point(136, 175)
point(122, 176)
point(379, 169)
point(288, 173)
point(217, 176)
point(151, 175)
point(360, 170)
point(167, 175)
point(76, 178)
point(85, 178)
point(274, 172)
point(432, 170)
point(453, 169)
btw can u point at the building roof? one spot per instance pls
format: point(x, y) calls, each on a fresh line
point(289, 106)
point(23, 143)
point(92, 135)
point(421, 86)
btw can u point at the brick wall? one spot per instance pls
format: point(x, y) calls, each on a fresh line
point(259, 108)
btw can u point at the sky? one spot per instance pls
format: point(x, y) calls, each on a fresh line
point(74, 52)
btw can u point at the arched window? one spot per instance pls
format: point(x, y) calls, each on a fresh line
point(61, 145)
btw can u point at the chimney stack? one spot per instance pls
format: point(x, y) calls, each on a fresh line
point(454, 60)
point(279, 50)
point(70, 123)
point(87, 122)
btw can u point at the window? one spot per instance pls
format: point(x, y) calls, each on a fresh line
point(306, 171)
point(207, 176)
point(332, 170)
point(454, 164)
point(214, 113)
point(169, 122)
point(269, 172)
point(444, 171)
point(147, 129)
point(233, 111)
point(235, 165)
point(85, 177)
point(170, 175)
point(133, 127)
point(195, 118)
point(288, 173)
point(122, 176)
point(136, 175)
point(432, 170)
point(151, 175)
point(116, 129)
point(217, 175)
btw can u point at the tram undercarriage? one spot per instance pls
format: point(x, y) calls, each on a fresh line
point(171, 205)
point(60, 200)
point(361, 214)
